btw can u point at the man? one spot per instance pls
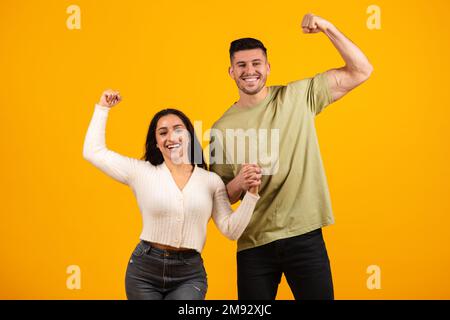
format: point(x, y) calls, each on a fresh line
point(284, 235)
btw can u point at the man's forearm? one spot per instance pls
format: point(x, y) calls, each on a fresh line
point(234, 190)
point(355, 59)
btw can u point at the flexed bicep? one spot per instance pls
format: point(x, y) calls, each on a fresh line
point(342, 80)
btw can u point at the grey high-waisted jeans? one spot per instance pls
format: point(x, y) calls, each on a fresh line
point(156, 274)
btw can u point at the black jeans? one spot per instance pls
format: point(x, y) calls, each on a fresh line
point(303, 260)
point(155, 274)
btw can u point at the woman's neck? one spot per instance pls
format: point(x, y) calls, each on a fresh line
point(182, 167)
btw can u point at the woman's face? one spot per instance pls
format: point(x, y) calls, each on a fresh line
point(172, 139)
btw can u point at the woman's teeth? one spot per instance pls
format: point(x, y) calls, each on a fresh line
point(173, 146)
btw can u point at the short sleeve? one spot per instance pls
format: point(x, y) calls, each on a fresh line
point(315, 90)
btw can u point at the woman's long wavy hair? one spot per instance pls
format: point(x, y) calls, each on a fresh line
point(154, 155)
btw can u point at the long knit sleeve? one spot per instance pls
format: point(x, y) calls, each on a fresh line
point(95, 151)
point(232, 224)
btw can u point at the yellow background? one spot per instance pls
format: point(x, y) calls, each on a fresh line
point(385, 146)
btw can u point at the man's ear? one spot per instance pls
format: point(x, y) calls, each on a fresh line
point(230, 72)
point(268, 68)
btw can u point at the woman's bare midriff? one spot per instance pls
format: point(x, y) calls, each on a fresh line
point(164, 247)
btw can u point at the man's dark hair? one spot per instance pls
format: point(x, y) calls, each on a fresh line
point(246, 44)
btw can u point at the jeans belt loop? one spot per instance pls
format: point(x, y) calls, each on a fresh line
point(147, 247)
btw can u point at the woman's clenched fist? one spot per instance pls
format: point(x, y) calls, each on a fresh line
point(110, 98)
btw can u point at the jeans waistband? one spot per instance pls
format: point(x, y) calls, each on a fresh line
point(167, 253)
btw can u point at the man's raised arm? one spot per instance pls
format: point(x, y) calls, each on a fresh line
point(357, 67)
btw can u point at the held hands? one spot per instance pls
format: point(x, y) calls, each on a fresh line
point(254, 190)
point(314, 24)
point(249, 178)
point(110, 98)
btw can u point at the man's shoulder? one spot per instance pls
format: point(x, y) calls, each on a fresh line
point(299, 83)
point(223, 122)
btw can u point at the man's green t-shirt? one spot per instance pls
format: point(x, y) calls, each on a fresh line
point(295, 198)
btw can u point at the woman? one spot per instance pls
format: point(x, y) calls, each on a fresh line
point(176, 197)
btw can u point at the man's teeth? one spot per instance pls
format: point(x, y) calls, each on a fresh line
point(172, 146)
point(250, 79)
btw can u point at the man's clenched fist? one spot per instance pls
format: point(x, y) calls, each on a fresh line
point(313, 24)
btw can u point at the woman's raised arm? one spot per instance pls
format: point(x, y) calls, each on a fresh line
point(117, 166)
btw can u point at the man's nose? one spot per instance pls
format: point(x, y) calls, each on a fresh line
point(249, 69)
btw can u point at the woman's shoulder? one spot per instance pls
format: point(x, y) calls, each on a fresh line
point(149, 167)
point(212, 177)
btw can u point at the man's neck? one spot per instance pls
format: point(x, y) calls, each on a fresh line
point(248, 101)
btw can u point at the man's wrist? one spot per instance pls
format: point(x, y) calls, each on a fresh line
point(239, 186)
point(328, 27)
